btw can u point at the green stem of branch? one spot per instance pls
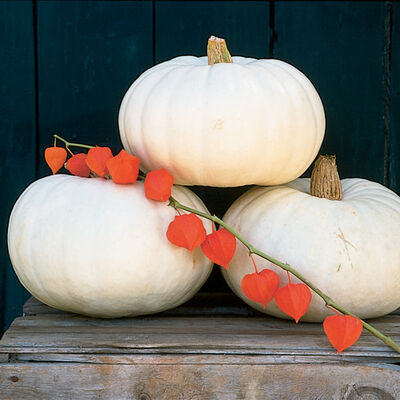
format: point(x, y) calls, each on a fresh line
point(252, 250)
point(69, 144)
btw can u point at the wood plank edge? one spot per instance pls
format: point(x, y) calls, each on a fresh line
point(190, 359)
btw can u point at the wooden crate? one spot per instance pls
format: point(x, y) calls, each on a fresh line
point(214, 347)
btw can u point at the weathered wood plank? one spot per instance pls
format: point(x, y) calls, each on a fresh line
point(4, 357)
point(180, 324)
point(35, 307)
point(52, 336)
point(201, 304)
point(185, 335)
point(18, 133)
point(203, 358)
point(144, 382)
point(339, 46)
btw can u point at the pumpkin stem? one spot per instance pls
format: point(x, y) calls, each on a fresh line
point(217, 51)
point(325, 181)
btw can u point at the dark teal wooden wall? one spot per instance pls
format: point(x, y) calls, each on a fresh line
point(65, 66)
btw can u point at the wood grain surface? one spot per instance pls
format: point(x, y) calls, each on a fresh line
point(198, 382)
point(191, 333)
point(50, 354)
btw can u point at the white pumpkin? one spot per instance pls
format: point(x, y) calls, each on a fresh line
point(350, 249)
point(93, 247)
point(229, 124)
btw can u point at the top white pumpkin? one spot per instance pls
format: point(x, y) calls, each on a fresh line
point(229, 124)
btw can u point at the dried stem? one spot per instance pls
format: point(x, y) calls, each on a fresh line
point(325, 181)
point(217, 51)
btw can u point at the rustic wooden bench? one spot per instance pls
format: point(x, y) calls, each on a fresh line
point(213, 347)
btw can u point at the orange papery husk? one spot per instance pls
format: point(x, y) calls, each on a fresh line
point(186, 231)
point(97, 158)
point(123, 168)
point(55, 158)
point(158, 185)
point(77, 166)
point(342, 330)
point(260, 286)
point(220, 247)
point(293, 299)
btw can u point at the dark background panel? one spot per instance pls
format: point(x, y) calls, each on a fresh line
point(183, 27)
point(394, 138)
point(89, 54)
point(18, 134)
point(339, 46)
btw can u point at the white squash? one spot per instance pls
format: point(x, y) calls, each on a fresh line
point(229, 124)
point(93, 247)
point(350, 249)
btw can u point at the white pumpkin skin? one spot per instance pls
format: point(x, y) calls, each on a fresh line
point(230, 124)
point(93, 247)
point(350, 249)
